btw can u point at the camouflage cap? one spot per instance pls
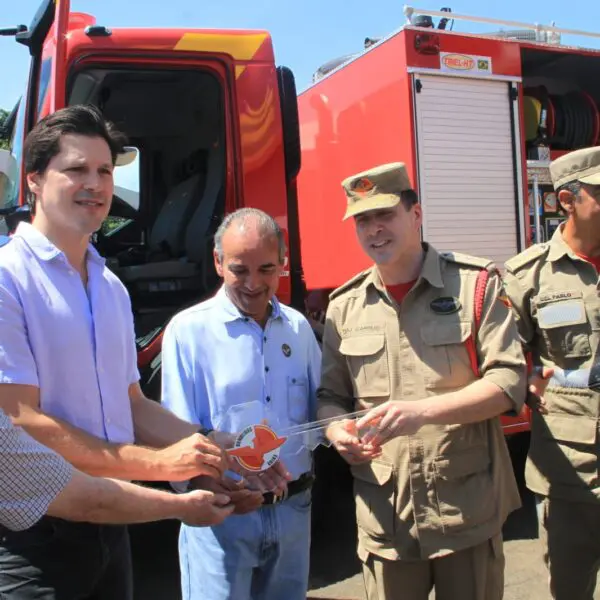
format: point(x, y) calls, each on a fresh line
point(375, 188)
point(579, 165)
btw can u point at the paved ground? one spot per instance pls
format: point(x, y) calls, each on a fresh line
point(335, 569)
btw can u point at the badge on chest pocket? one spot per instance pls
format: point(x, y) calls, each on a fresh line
point(562, 319)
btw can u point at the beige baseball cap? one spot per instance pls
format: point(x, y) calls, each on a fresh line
point(376, 188)
point(579, 165)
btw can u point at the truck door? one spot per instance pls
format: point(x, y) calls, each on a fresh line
point(469, 165)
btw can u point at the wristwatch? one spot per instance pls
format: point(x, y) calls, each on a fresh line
point(205, 431)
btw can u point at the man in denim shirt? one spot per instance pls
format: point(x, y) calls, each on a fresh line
point(243, 346)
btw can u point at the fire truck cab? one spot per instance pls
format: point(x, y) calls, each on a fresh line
point(212, 125)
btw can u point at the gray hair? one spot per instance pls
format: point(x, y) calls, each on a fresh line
point(573, 186)
point(266, 224)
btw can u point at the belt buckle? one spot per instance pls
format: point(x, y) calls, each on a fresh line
point(282, 498)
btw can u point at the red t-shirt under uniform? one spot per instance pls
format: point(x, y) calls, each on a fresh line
point(595, 260)
point(399, 290)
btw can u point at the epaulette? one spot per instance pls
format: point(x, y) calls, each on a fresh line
point(527, 256)
point(468, 260)
point(350, 284)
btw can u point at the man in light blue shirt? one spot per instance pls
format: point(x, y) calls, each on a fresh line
point(68, 365)
point(243, 346)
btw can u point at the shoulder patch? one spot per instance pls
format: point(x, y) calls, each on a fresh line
point(351, 283)
point(468, 260)
point(526, 257)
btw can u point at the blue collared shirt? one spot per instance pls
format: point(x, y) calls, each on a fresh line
point(76, 345)
point(215, 358)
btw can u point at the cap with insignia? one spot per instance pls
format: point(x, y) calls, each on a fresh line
point(375, 188)
point(580, 165)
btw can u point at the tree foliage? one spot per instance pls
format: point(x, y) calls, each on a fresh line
point(3, 139)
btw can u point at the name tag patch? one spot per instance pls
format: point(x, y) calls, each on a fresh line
point(561, 314)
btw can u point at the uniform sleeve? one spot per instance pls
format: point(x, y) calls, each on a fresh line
point(17, 364)
point(178, 385)
point(500, 352)
point(336, 385)
point(31, 477)
point(520, 299)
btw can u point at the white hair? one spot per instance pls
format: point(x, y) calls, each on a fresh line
point(266, 224)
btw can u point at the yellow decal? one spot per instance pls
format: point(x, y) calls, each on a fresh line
point(239, 47)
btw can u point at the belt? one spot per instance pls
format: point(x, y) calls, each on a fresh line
point(304, 482)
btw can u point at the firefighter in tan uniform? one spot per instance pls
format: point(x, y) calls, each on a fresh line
point(554, 290)
point(432, 476)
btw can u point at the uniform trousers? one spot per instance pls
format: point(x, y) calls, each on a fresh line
point(475, 573)
point(570, 532)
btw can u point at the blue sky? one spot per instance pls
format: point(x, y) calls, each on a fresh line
point(306, 33)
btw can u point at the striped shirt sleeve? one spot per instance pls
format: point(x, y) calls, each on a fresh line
point(31, 477)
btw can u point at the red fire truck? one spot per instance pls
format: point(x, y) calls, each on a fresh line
point(475, 117)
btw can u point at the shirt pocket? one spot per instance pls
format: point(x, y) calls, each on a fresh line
point(464, 489)
point(375, 497)
point(444, 357)
point(368, 364)
point(297, 394)
point(565, 328)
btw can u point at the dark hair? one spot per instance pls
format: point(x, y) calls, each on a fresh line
point(43, 142)
point(409, 198)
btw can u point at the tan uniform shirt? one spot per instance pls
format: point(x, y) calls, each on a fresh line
point(447, 487)
point(555, 295)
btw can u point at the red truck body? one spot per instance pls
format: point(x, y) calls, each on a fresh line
point(454, 107)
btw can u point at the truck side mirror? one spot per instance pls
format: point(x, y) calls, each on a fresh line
point(8, 175)
point(290, 122)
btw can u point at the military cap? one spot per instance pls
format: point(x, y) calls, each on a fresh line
point(579, 165)
point(375, 188)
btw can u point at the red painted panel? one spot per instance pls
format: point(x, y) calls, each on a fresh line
point(261, 145)
point(357, 118)
point(505, 55)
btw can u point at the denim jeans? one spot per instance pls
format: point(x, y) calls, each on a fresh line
point(58, 560)
point(263, 555)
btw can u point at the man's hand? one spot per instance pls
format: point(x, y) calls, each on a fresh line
point(538, 382)
point(343, 435)
point(274, 479)
point(192, 456)
point(243, 499)
point(391, 419)
point(203, 508)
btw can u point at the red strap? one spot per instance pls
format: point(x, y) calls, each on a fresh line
point(529, 359)
point(480, 286)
